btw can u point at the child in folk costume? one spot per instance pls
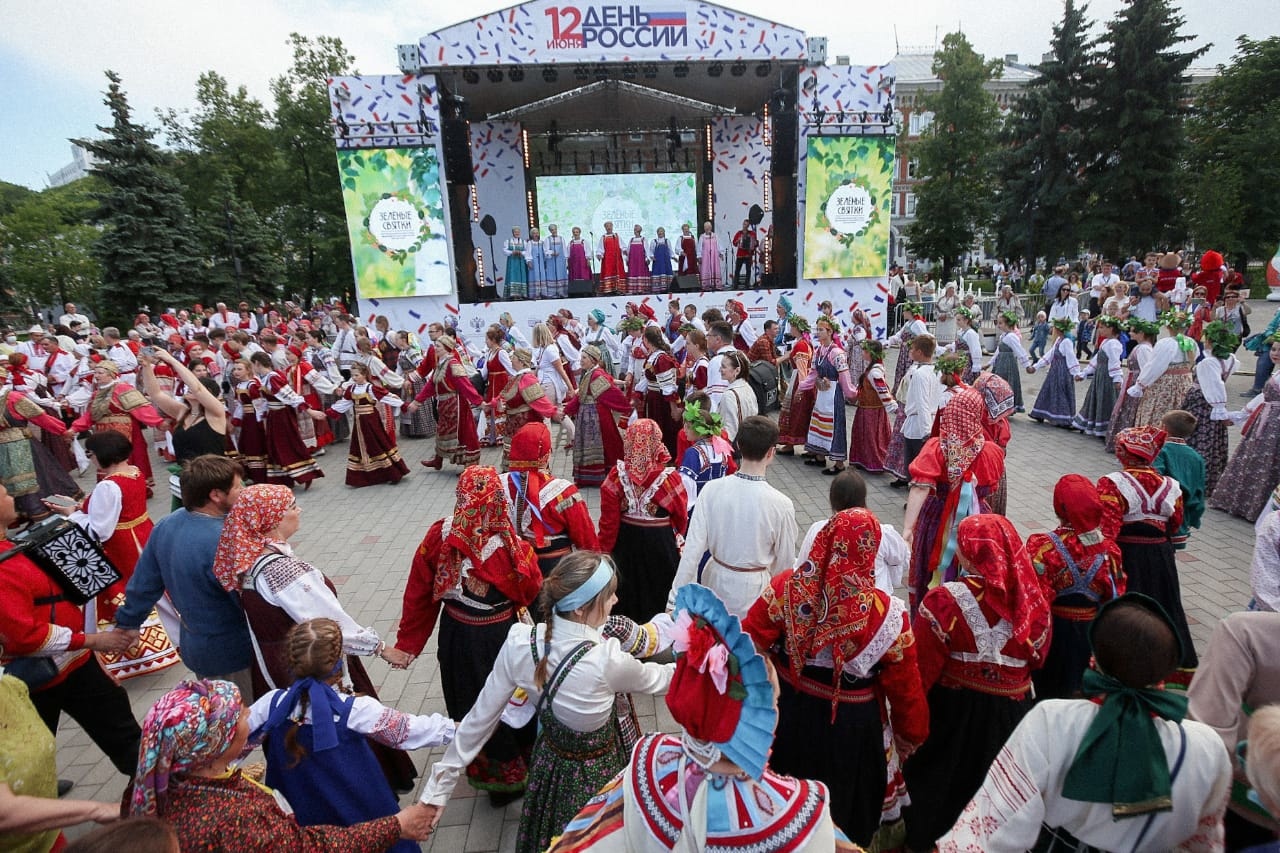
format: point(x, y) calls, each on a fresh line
point(708, 456)
point(1207, 400)
point(1254, 469)
point(421, 423)
point(828, 438)
point(317, 736)
point(869, 439)
point(1107, 370)
point(1080, 570)
point(247, 412)
point(600, 410)
point(310, 383)
point(969, 341)
point(912, 325)
point(1165, 380)
point(797, 402)
point(573, 673)
point(1181, 462)
point(998, 397)
point(1010, 355)
point(978, 639)
point(373, 457)
point(643, 506)
point(1142, 510)
point(1142, 334)
point(845, 658)
point(1056, 402)
point(634, 384)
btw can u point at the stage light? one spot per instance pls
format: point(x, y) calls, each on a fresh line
point(344, 130)
point(715, 69)
point(471, 76)
point(711, 202)
point(681, 69)
point(581, 72)
point(550, 75)
point(480, 277)
point(629, 71)
point(767, 180)
point(494, 75)
point(738, 68)
point(602, 71)
point(516, 75)
point(768, 250)
point(524, 146)
point(766, 129)
point(840, 117)
point(707, 137)
point(764, 69)
point(886, 117)
point(475, 204)
point(533, 220)
point(864, 117)
point(650, 70)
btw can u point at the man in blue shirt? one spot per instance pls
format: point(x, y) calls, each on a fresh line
point(178, 559)
point(1054, 283)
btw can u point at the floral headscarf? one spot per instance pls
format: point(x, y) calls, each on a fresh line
point(257, 512)
point(960, 432)
point(185, 730)
point(992, 546)
point(479, 515)
point(1141, 443)
point(831, 599)
point(643, 451)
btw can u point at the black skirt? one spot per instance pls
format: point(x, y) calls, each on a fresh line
point(967, 729)
point(647, 559)
point(847, 755)
point(1068, 658)
point(1152, 569)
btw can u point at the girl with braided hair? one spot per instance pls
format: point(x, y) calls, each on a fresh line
point(317, 735)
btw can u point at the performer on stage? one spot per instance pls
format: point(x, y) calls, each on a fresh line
point(744, 244)
point(709, 259)
point(688, 251)
point(660, 255)
point(579, 258)
point(609, 254)
point(637, 264)
point(517, 286)
point(535, 254)
point(557, 271)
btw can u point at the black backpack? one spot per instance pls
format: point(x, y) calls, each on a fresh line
point(763, 379)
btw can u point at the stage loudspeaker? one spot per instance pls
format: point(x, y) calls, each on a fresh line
point(785, 139)
point(582, 287)
point(688, 282)
point(456, 142)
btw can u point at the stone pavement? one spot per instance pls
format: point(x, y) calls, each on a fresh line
point(364, 540)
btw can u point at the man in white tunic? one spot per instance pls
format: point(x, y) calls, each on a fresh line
point(1129, 774)
point(744, 531)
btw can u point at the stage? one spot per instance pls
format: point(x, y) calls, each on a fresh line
point(652, 115)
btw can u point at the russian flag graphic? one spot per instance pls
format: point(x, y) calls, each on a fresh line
point(667, 19)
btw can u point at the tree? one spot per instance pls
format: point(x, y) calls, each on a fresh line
point(244, 253)
point(47, 247)
point(1135, 138)
point(312, 217)
point(1234, 159)
point(1041, 196)
point(148, 251)
point(953, 202)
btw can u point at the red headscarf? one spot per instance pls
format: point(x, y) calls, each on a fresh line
point(558, 324)
point(1141, 443)
point(831, 600)
point(257, 512)
point(993, 548)
point(479, 515)
point(531, 447)
point(1076, 502)
point(737, 307)
point(960, 433)
point(643, 452)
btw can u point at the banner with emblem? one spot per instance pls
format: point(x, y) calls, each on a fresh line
point(848, 198)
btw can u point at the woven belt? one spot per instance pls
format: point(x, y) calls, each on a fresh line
point(129, 525)
point(1142, 540)
point(1074, 614)
point(461, 614)
point(811, 687)
point(585, 755)
point(744, 569)
point(645, 521)
point(1015, 692)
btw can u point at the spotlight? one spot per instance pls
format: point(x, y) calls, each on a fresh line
point(550, 75)
point(715, 69)
point(738, 68)
point(494, 75)
point(471, 76)
point(650, 70)
point(763, 69)
point(629, 71)
point(601, 71)
point(516, 75)
point(681, 70)
point(581, 72)
point(840, 117)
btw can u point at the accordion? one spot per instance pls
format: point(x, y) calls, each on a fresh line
point(69, 555)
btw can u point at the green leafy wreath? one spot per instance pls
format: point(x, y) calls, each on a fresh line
point(424, 229)
point(847, 240)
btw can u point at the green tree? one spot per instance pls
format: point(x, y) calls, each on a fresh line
point(243, 253)
point(311, 218)
point(953, 202)
point(1234, 159)
point(47, 246)
point(148, 250)
point(1041, 196)
point(11, 195)
point(1135, 132)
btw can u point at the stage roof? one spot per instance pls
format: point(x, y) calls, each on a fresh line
point(611, 105)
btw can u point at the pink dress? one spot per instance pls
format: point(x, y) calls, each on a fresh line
point(579, 266)
point(637, 267)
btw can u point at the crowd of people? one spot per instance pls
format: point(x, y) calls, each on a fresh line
point(1037, 693)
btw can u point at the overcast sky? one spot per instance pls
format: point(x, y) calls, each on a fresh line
point(52, 54)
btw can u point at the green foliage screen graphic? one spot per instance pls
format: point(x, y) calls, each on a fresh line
point(848, 193)
point(395, 219)
point(588, 201)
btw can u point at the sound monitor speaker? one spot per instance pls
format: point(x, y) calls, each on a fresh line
point(457, 152)
point(688, 282)
point(582, 287)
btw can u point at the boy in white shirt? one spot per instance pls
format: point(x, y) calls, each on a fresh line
point(921, 396)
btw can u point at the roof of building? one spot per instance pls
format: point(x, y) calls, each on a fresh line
point(918, 68)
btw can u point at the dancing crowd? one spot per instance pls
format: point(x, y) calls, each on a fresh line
point(1025, 693)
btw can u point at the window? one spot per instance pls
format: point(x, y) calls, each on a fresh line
point(920, 123)
point(911, 204)
point(913, 167)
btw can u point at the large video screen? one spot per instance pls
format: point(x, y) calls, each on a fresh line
point(395, 219)
point(589, 201)
point(848, 196)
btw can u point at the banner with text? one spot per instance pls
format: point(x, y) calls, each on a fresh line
point(848, 195)
point(396, 221)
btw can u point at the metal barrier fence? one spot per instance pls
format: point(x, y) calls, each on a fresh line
point(1028, 305)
